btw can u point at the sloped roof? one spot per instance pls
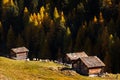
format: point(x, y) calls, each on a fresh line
point(92, 61)
point(77, 55)
point(19, 50)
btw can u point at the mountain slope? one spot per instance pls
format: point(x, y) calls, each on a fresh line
point(36, 70)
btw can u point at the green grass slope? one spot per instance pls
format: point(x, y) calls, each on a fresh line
point(36, 70)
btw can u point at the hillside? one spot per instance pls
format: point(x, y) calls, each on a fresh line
point(52, 28)
point(36, 70)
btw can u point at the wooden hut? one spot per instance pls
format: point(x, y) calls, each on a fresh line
point(19, 53)
point(91, 66)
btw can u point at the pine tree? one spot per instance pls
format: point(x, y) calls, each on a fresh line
point(1, 32)
point(33, 6)
point(1, 29)
point(80, 38)
point(9, 9)
point(118, 22)
point(67, 44)
point(37, 39)
point(45, 53)
point(20, 41)
point(103, 41)
point(21, 6)
point(107, 61)
point(11, 43)
point(1, 2)
point(28, 34)
point(115, 50)
point(111, 27)
point(40, 42)
point(46, 23)
point(88, 46)
point(47, 7)
point(105, 37)
point(26, 16)
point(52, 40)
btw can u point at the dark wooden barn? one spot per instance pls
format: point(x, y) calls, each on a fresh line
point(91, 66)
point(19, 53)
point(84, 64)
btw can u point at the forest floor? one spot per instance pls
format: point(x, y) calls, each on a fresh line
point(40, 70)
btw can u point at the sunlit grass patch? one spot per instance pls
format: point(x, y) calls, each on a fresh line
point(36, 70)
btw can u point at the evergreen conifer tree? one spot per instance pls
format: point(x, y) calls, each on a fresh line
point(107, 61)
point(21, 6)
point(11, 43)
point(88, 46)
point(26, 16)
point(20, 41)
point(80, 38)
point(1, 32)
point(67, 43)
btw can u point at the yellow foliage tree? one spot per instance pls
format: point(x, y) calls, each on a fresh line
point(95, 19)
point(8, 2)
point(107, 2)
point(68, 31)
point(34, 16)
point(36, 22)
point(11, 3)
point(62, 18)
point(101, 18)
point(111, 39)
point(42, 10)
point(38, 16)
point(5, 1)
point(46, 15)
point(25, 10)
point(56, 15)
point(31, 18)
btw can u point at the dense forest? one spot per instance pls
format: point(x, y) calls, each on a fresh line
point(52, 28)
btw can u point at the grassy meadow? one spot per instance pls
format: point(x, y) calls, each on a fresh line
point(36, 70)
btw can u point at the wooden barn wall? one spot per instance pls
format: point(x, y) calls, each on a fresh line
point(95, 70)
point(21, 56)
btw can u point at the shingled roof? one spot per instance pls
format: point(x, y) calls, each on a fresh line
point(19, 50)
point(92, 61)
point(77, 55)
